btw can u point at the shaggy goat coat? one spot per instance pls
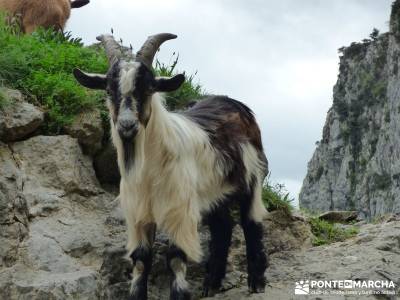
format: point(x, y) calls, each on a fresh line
point(185, 164)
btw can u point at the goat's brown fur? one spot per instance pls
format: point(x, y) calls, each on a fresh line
point(38, 13)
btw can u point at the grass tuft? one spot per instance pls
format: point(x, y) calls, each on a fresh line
point(190, 90)
point(326, 232)
point(276, 197)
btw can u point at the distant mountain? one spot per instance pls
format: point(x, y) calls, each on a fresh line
point(356, 165)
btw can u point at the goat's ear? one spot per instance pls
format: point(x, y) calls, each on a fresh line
point(79, 3)
point(91, 81)
point(169, 84)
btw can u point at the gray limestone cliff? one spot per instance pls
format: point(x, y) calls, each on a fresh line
point(356, 165)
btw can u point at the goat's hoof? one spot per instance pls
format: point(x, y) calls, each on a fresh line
point(209, 291)
point(181, 295)
point(257, 290)
point(134, 297)
point(257, 284)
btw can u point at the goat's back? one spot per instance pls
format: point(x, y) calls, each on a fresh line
point(226, 120)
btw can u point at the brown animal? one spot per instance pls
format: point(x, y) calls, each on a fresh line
point(41, 13)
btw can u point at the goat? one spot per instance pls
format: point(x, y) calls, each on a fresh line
point(179, 167)
point(41, 13)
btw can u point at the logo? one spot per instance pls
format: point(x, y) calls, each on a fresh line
point(345, 287)
point(302, 288)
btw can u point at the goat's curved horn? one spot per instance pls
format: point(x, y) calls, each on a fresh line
point(114, 51)
point(148, 51)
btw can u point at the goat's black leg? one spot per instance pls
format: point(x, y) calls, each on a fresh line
point(257, 261)
point(142, 259)
point(176, 261)
point(220, 224)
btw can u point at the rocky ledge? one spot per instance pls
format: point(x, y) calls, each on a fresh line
point(62, 237)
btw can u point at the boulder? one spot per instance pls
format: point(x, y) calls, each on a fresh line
point(87, 127)
point(339, 216)
point(18, 119)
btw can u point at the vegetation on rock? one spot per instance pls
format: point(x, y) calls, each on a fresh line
point(328, 232)
point(276, 197)
point(3, 98)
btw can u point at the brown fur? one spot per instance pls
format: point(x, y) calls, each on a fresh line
point(38, 13)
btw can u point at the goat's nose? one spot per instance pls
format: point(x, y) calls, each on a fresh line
point(127, 128)
point(127, 125)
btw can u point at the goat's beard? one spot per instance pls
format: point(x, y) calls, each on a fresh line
point(129, 152)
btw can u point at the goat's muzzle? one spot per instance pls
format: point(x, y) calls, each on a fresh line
point(127, 129)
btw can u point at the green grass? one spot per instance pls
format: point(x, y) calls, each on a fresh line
point(40, 66)
point(276, 197)
point(326, 232)
point(190, 90)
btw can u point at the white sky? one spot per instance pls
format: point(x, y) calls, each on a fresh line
point(278, 57)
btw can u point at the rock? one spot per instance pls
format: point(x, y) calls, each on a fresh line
point(62, 237)
point(13, 210)
point(53, 221)
point(54, 168)
point(106, 166)
point(356, 165)
point(87, 127)
point(18, 119)
point(339, 216)
point(284, 232)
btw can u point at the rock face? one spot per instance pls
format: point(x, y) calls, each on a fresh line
point(19, 118)
point(356, 165)
point(62, 237)
point(52, 231)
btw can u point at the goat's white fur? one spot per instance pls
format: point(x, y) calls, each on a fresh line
point(176, 176)
point(179, 269)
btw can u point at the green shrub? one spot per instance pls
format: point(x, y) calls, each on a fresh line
point(276, 197)
point(326, 232)
point(41, 64)
point(395, 19)
point(189, 90)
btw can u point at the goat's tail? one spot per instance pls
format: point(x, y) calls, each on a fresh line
point(79, 3)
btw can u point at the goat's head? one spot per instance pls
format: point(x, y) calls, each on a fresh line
point(130, 83)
